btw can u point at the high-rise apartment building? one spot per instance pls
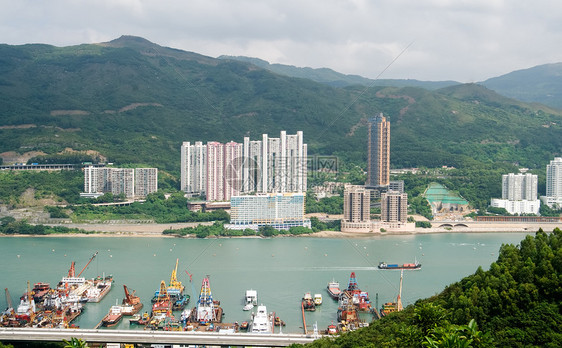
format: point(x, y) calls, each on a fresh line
point(138, 182)
point(279, 210)
point(519, 194)
point(356, 209)
point(378, 156)
point(193, 167)
point(146, 181)
point(517, 187)
point(356, 204)
point(269, 165)
point(553, 196)
point(394, 207)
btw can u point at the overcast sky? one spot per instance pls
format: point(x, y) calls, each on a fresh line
point(461, 40)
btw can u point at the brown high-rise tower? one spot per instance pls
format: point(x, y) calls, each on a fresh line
point(378, 160)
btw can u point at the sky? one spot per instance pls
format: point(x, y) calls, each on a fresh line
point(430, 40)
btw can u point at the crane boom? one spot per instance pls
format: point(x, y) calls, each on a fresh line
point(173, 278)
point(93, 256)
point(8, 298)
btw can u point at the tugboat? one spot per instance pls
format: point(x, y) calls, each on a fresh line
point(308, 302)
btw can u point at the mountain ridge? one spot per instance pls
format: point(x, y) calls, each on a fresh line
point(184, 96)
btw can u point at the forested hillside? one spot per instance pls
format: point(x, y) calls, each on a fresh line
point(132, 101)
point(516, 303)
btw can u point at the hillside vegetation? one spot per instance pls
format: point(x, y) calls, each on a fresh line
point(539, 84)
point(134, 101)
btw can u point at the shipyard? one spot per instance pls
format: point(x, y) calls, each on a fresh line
point(170, 308)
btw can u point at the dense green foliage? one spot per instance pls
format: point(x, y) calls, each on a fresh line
point(156, 207)
point(328, 205)
point(217, 229)
point(21, 227)
point(539, 84)
point(516, 304)
point(130, 99)
point(61, 186)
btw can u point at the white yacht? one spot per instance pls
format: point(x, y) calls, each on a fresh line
point(261, 322)
point(250, 300)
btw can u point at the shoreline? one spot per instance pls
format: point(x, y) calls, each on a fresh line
point(154, 230)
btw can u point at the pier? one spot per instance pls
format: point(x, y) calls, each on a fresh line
point(142, 336)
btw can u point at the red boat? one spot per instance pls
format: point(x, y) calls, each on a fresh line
point(113, 317)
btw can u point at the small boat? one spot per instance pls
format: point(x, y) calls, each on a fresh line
point(244, 326)
point(308, 302)
point(278, 322)
point(250, 300)
point(333, 289)
point(415, 265)
point(317, 299)
point(135, 319)
point(332, 329)
point(113, 317)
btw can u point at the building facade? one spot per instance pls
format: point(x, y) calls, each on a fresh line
point(269, 165)
point(279, 210)
point(553, 197)
point(132, 182)
point(378, 154)
point(394, 207)
point(356, 209)
point(517, 187)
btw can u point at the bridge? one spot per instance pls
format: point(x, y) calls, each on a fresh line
point(159, 337)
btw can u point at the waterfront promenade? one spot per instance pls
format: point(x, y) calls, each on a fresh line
point(439, 226)
point(148, 337)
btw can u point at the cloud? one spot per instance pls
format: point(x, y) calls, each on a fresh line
point(453, 40)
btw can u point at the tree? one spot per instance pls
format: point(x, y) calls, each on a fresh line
point(75, 343)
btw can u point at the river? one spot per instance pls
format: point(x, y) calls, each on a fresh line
point(280, 269)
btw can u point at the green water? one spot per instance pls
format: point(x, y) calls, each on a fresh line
point(280, 269)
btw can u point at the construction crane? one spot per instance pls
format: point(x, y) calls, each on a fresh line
point(174, 283)
point(9, 302)
point(93, 256)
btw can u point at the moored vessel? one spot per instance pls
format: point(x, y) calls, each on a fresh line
point(250, 299)
point(261, 322)
point(333, 289)
point(317, 299)
point(113, 317)
point(308, 302)
point(131, 304)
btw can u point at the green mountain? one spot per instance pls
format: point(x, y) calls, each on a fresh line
point(539, 84)
point(133, 101)
point(336, 79)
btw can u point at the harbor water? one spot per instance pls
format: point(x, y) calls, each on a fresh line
point(280, 269)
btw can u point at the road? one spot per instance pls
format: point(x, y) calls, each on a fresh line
point(160, 337)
